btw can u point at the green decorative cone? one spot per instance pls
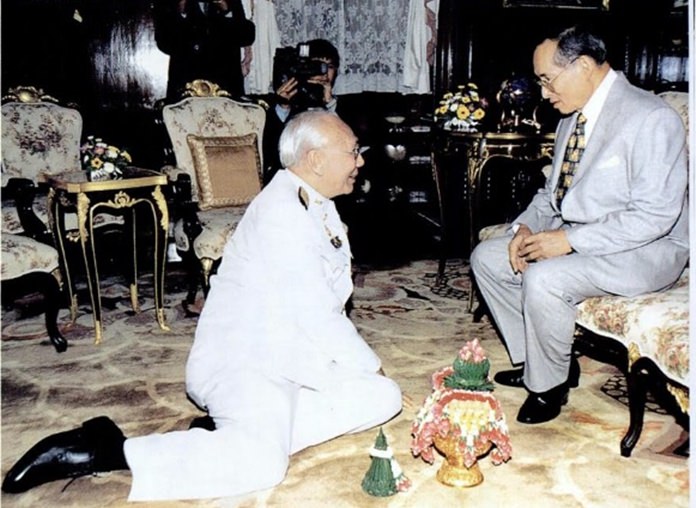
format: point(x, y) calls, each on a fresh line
point(470, 376)
point(379, 480)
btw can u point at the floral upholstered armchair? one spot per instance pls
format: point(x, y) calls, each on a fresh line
point(217, 146)
point(29, 263)
point(39, 137)
point(654, 330)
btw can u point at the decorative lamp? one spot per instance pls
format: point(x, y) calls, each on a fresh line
point(462, 420)
point(519, 99)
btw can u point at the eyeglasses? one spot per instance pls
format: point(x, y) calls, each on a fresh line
point(548, 83)
point(355, 152)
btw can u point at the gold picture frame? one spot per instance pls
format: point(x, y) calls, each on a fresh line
point(602, 5)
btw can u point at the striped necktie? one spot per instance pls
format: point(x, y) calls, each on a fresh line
point(571, 159)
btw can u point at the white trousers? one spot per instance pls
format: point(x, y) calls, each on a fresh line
point(259, 422)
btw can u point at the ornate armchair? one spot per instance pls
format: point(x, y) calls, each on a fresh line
point(28, 263)
point(217, 146)
point(39, 137)
point(650, 332)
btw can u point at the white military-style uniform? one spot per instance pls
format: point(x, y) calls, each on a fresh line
point(275, 361)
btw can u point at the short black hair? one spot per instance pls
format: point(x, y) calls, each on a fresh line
point(577, 41)
point(321, 48)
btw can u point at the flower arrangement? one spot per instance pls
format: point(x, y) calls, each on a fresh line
point(462, 110)
point(462, 405)
point(103, 161)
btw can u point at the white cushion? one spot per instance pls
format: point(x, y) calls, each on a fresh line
point(218, 224)
point(22, 255)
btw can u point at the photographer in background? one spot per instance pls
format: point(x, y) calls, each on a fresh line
point(304, 78)
point(203, 39)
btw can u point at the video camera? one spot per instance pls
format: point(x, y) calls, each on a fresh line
point(295, 63)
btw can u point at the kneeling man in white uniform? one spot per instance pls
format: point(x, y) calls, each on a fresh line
point(276, 362)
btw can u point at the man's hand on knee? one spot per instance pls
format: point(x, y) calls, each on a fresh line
point(544, 245)
point(517, 261)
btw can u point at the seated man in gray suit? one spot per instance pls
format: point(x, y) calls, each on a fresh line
point(611, 219)
point(276, 361)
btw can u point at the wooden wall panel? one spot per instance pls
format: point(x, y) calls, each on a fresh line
point(100, 54)
point(106, 59)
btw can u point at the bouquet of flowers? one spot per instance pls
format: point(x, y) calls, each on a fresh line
point(103, 161)
point(462, 110)
point(461, 404)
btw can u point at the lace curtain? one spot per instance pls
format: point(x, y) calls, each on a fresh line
point(371, 37)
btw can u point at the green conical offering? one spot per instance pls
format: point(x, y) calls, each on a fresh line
point(379, 479)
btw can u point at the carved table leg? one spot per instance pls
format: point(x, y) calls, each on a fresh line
point(56, 219)
point(160, 230)
point(89, 254)
point(131, 235)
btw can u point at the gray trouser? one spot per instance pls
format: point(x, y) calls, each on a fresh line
point(535, 311)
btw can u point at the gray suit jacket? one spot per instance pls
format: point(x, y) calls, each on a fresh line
point(628, 197)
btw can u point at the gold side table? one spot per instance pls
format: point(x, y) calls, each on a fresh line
point(478, 149)
point(482, 147)
point(139, 190)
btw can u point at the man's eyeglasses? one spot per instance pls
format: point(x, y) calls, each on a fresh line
point(548, 83)
point(355, 152)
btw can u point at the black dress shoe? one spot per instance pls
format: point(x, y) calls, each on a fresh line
point(515, 377)
point(95, 447)
point(203, 422)
point(545, 406)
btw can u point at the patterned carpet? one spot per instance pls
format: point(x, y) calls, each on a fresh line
point(136, 377)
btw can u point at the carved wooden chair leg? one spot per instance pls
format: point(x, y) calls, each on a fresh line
point(475, 295)
point(479, 312)
point(50, 288)
point(441, 269)
point(637, 381)
point(207, 268)
point(472, 293)
point(54, 297)
point(193, 277)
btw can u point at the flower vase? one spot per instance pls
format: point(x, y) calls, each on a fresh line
point(97, 176)
point(454, 471)
point(456, 125)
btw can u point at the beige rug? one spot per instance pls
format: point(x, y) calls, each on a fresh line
point(136, 377)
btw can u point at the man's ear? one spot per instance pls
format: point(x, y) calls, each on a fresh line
point(317, 160)
point(586, 63)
